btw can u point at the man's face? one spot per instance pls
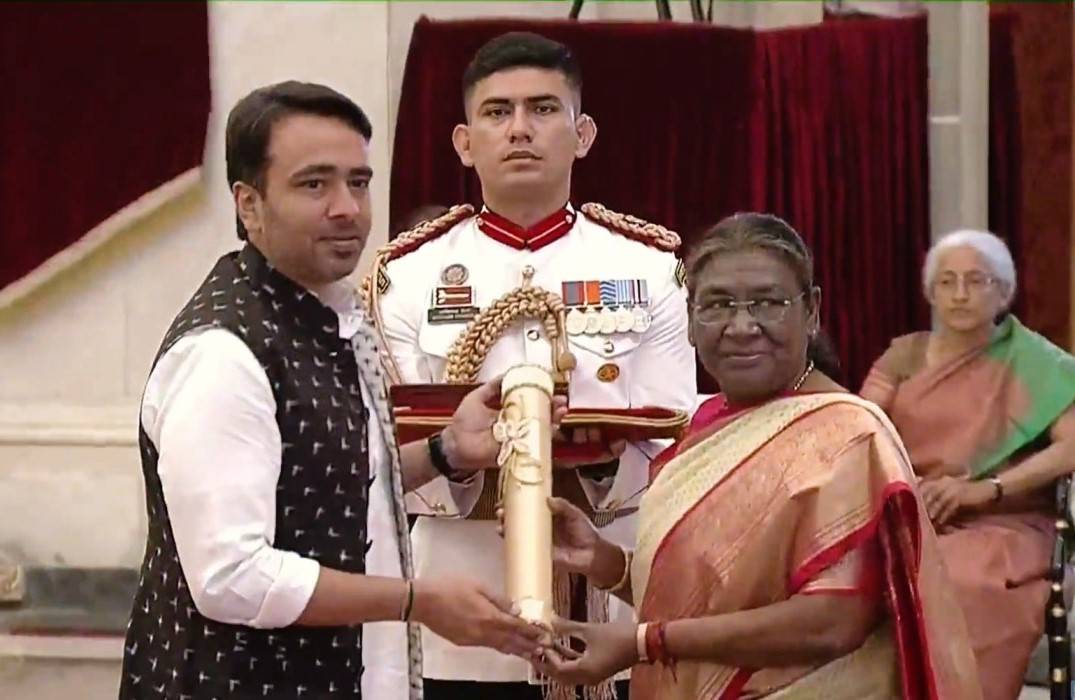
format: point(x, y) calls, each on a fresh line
point(313, 218)
point(524, 130)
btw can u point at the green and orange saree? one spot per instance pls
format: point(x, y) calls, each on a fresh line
point(804, 494)
point(975, 416)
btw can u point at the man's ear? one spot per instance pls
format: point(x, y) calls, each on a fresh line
point(461, 142)
point(248, 206)
point(586, 131)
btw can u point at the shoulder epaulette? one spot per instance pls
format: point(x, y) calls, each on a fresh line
point(653, 235)
point(413, 239)
point(408, 242)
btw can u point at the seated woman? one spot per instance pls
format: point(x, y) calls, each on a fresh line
point(985, 410)
point(782, 551)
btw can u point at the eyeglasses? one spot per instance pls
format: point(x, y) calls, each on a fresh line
point(973, 282)
point(767, 311)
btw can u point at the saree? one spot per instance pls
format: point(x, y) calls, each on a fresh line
point(975, 416)
point(754, 507)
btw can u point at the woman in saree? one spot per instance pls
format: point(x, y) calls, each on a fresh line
point(985, 410)
point(782, 551)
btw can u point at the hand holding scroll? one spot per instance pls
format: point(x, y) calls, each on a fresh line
point(609, 648)
point(468, 442)
point(577, 546)
point(467, 613)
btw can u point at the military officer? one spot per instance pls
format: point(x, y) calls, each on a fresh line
point(626, 321)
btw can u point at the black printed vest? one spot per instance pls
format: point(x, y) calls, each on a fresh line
point(174, 652)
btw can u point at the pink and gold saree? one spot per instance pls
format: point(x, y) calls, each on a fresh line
point(754, 507)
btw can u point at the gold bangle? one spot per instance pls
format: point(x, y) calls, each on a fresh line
point(626, 576)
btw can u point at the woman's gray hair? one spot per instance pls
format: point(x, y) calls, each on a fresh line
point(992, 249)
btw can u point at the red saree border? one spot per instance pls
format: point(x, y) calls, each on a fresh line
point(909, 646)
point(746, 458)
point(836, 551)
point(719, 422)
point(905, 604)
point(901, 593)
point(736, 685)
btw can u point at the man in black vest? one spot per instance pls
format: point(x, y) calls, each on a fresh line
point(277, 552)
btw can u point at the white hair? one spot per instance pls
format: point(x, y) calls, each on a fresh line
point(993, 250)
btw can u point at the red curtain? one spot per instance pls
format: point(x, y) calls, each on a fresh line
point(1030, 176)
point(672, 116)
point(1005, 143)
point(103, 102)
point(824, 126)
point(839, 149)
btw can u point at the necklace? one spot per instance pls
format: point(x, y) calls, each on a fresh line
point(805, 374)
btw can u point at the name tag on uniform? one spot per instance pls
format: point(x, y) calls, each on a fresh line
point(452, 304)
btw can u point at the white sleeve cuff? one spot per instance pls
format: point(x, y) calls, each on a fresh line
point(596, 490)
point(444, 498)
point(466, 495)
point(626, 488)
point(289, 593)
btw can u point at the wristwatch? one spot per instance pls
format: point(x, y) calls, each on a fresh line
point(437, 456)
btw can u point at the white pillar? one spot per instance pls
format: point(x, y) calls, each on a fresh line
point(958, 115)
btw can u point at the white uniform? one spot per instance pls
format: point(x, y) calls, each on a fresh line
point(656, 367)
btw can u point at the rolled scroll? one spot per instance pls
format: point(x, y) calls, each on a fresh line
point(524, 432)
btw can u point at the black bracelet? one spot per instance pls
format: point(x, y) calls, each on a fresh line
point(437, 456)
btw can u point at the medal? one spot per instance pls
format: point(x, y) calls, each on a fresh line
point(608, 321)
point(575, 322)
point(593, 321)
point(642, 320)
point(625, 320)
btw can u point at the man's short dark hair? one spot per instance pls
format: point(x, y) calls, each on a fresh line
point(250, 123)
point(521, 50)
